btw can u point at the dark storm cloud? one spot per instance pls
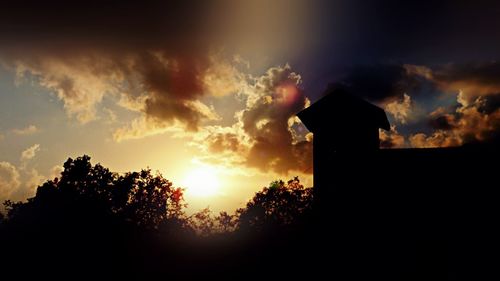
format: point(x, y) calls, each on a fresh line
point(267, 135)
point(443, 122)
point(477, 116)
point(391, 140)
point(157, 58)
point(268, 121)
point(84, 49)
point(437, 105)
point(221, 142)
point(173, 86)
point(483, 74)
point(491, 104)
point(153, 51)
point(379, 82)
point(384, 82)
point(358, 32)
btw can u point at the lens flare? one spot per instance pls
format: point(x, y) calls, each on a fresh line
point(287, 94)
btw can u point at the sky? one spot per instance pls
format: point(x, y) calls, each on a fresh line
point(209, 89)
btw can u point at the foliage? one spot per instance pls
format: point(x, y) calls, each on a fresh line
point(279, 204)
point(205, 223)
point(83, 191)
point(91, 194)
point(151, 199)
point(99, 223)
point(226, 222)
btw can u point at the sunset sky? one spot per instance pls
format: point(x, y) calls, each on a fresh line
point(209, 89)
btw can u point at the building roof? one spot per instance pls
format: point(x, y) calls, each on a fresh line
point(341, 109)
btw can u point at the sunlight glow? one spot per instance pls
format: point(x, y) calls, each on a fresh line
point(202, 182)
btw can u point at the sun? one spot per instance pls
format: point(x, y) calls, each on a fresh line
point(201, 182)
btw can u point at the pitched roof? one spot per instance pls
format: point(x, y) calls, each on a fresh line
point(340, 108)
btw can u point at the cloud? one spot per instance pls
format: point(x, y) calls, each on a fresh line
point(437, 139)
point(165, 88)
point(473, 124)
point(267, 135)
point(31, 129)
point(476, 118)
point(168, 91)
point(442, 105)
point(471, 79)
point(483, 76)
point(21, 182)
point(400, 109)
point(386, 82)
point(141, 127)
point(157, 54)
point(30, 152)
point(269, 121)
point(468, 124)
point(18, 183)
point(441, 120)
point(270, 100)
point(224, 146)
point(55, 172)
point(78, 81)
point(224, 78)
point(9, 180)
point(391, 139)
point(28, 188)
point(220, 142)
point(379, 82)
point(110, 116)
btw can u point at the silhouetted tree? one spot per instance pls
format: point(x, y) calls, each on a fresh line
point(226, 222)
point(91, 220)
point(205, 223)
point(279, 204)
point(147, 199)
point(84, 191)
point(202, 222)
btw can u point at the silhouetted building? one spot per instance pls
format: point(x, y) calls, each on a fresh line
point(342, 124)
point(404, 214)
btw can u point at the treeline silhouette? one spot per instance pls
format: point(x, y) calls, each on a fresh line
point(415, 214)
point(94, 223)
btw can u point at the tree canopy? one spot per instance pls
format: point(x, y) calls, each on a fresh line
point(85, 190)
point(277, 205)
point(92, 217)
point(93, 194)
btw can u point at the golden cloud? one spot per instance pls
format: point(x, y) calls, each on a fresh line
point(30, 152)
point(391, 139)
point(467, 124)
point(264, 135)
point(29, 130)
point(400, 109)
point(9, 179)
